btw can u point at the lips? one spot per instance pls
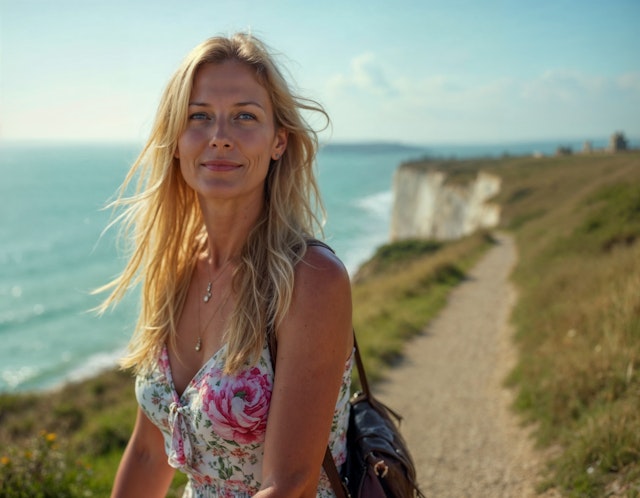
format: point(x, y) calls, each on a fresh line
point(220, 165)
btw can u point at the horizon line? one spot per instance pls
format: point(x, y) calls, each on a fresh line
point(340, 142)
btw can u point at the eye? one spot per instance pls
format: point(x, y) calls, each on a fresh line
point(246, 116)
point(199, 116)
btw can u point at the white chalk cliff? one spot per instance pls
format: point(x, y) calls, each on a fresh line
point(425, 206)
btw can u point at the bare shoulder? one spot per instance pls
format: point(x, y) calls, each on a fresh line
point(317, 328)
point(321, 270)
point(321, 303)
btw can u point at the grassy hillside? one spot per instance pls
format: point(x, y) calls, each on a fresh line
point(576, 220)
point(577, 223)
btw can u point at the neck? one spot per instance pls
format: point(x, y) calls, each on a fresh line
point(228, 225)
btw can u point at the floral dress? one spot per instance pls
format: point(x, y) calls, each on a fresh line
point(215, 431)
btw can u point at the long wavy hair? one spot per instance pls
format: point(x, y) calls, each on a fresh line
point(163, 225)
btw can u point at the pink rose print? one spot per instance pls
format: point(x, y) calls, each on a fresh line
point(164, 360)
point(233, 488)
point(238, 405)
point(202, 480)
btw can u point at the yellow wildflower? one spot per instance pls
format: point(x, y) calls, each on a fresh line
point(50, 437)
point(5, 460)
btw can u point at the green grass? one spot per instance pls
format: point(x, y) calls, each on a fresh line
point(577, 224)
point(90, 422)
point(43, 469)
point(403, 286)
point(576, 220)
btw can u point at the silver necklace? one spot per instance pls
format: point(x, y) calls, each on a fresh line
point(208, 294)
point(201, 330)
point(206, 298)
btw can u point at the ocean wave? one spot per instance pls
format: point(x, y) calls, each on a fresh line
point(96, 363)
point(13, 378)
point(358, 249)
point(27, 378)
point(378, 204)
point(35, 313)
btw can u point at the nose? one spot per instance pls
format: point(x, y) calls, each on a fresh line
point(220, 138)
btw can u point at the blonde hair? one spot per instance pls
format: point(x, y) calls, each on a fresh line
point(163, 223)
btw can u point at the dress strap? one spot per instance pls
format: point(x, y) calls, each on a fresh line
point(319, 243)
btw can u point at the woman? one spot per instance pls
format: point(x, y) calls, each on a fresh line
point(221, 224)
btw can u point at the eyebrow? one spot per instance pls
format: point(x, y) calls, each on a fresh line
point(237, 104)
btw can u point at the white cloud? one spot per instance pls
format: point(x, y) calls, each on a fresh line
point(629, 82)
point(563, 86)
point(366, 103)
point(365, 75)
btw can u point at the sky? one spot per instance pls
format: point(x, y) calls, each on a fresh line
point(416, 72)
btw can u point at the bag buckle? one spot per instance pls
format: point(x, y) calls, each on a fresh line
point(381, 468)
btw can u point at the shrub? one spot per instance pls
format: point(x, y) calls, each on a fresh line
point(42, 470)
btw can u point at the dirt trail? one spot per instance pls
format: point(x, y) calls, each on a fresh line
point(465, 441)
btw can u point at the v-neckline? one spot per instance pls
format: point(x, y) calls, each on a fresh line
point(169, 371)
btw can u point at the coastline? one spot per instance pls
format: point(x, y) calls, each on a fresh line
point(49, 335)
point(95, 353)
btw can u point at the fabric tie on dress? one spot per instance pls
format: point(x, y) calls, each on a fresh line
point(180, 451)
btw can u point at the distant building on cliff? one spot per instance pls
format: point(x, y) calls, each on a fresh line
point(564, 150)
point(618, 142)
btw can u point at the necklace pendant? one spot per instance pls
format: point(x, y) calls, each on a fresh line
point(207, 296)
point(198, 344)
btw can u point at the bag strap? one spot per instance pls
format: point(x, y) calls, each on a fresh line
point(362, 375)
point(329, 464)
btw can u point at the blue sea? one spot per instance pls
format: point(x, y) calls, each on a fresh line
point(52, 253)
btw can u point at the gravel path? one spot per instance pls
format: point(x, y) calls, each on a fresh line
point(464, 439)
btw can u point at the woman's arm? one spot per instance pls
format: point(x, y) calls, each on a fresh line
point(314, 342)
point(143, 470)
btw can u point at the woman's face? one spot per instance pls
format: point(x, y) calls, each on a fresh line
point(231, 136)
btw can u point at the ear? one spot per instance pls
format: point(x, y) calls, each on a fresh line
point(176, 153)
point(279, 144)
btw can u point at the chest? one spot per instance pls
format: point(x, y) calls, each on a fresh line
point(199, 334)
point(214, 409)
